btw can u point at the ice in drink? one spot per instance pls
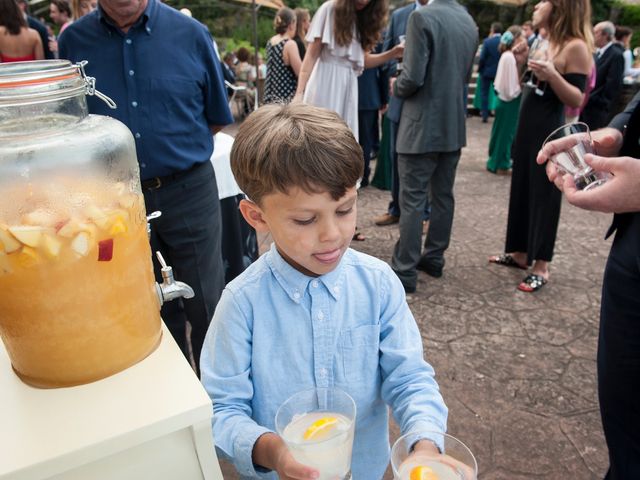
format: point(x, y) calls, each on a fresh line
point(322, 440)
point(77, 293)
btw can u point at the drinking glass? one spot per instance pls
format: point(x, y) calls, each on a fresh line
point(538, 52)
point(401, 41)
point(576, 143)
point(455, 462)
point(317, 426)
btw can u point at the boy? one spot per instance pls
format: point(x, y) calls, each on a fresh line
point(311, 311)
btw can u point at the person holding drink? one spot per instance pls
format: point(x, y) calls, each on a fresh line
point(311, 312)
point(341, 37)
point(534, 205)
point(618, 352)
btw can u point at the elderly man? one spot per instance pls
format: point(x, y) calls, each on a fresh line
point(441, 43)
point(609, 73)
point(160, 68)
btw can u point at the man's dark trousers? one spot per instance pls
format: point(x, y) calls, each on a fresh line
point(188, 234)
point(619, 352)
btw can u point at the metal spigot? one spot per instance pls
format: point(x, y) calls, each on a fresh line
point(170, 289)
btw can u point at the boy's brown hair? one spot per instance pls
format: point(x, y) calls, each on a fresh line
point(296, 145)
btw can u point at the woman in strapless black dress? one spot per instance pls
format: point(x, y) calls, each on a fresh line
point(534, 203)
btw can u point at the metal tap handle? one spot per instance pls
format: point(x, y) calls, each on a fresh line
point(161, 260)
point(167, 271)
point(170, 289)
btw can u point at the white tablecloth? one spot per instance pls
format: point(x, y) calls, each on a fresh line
point(227, 186)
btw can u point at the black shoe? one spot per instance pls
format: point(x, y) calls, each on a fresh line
point(484, 120)
point(409, 288)
point(430, 268)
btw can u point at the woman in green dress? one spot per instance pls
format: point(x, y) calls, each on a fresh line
point(507, 86)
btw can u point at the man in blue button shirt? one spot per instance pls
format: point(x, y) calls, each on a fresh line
point(160, 68)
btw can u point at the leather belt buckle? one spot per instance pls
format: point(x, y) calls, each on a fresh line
point(152, 183)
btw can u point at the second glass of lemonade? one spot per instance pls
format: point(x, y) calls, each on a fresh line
point(318, 426)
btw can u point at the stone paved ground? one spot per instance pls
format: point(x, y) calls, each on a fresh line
point(517, 370)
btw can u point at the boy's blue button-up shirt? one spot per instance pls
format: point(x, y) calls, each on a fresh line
point(165, 78)
point(277, 331)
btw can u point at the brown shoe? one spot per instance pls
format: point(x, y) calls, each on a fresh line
point(386, 219)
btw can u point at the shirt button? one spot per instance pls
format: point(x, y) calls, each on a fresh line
point(137, 135)
point(323, 372)
point(320, 315)
point(143, 165)
point(336, 289)
point(296, 295)
point(134, 104)
point(315, 284)
point(128, 40)
point(131, 73)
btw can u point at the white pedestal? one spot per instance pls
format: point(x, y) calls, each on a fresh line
point(151, 421)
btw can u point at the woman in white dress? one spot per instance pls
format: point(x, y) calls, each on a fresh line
point(341, 37)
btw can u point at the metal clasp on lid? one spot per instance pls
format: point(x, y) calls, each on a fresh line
point(91, 86)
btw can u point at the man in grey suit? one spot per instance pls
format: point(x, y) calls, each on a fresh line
point(441, 43)
point(397, 28)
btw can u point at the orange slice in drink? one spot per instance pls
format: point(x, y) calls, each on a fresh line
point(423, 473)
point(320, 428)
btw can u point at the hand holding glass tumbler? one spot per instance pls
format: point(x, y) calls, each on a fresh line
point(453, 461)
point(571, 142)
point(318, 427)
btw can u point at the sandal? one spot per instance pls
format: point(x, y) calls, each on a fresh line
point(506, 260)
point(532, 283)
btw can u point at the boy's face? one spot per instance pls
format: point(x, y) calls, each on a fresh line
point(311, 231)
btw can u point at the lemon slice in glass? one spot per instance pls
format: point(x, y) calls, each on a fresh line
point(320, 428)
point(423, 473)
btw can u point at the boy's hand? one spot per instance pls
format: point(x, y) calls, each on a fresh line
point(426, 448)
point(270, 451)
point(289, 469)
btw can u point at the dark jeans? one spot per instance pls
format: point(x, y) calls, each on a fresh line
point(394, 204)
point(619, 354)
point(188, 234)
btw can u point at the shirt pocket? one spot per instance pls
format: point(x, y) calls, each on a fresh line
point(176, 105)
point(360, 349)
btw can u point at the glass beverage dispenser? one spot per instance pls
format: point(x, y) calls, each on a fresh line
point(78, 299)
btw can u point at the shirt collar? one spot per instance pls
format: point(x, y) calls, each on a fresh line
point(604, 49)
point(295, 283)
point(147, 18)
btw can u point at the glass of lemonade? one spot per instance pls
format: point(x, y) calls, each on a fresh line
point(318, 426)
point(455, 462)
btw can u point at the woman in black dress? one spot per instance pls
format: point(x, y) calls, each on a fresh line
point(559, 79)
point(283, 59)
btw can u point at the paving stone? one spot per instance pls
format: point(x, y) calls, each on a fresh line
point(553, 326)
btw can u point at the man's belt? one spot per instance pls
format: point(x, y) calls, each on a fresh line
point(157, 182)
